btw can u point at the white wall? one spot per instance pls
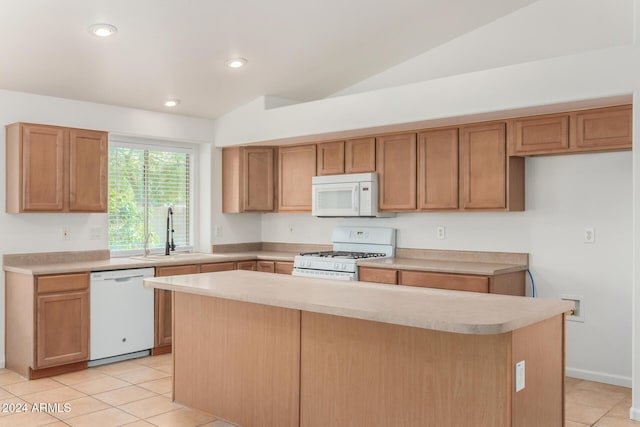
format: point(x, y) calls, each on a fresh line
point(564, 194)
point(544, 29)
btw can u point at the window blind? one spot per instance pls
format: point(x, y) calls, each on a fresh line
point(144, 181)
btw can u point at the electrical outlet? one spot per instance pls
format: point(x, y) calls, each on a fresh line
point(66, 234)
point(292, 228)
point(520, 376)
point(578, 311)
point(589, 235)
point(217, 231)
point(440, 232)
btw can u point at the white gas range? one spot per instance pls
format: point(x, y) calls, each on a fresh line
point(349, 245)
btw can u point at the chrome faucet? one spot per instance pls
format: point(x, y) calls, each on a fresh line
point(170, 245)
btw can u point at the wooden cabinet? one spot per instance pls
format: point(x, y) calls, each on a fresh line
point(438, 169)
point(47, 323)
point(488, 179)
point(266, 266)
point(62, 319)
point(599, 129)
point(604, 128)
point(283, 267)
point(360, 155)
point(163, 318)
point(378, 275)
point(540, 134)
point(396, 166)
point(247, 179)
point(505, 284)
point(457, 282)
point(330, 158)
point(247, 265)
point(219, 266)
point(55, 169)
point(296, 166)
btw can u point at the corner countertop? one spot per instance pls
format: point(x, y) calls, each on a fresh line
point(441, 310)
point(443, 266)
point(140, 262)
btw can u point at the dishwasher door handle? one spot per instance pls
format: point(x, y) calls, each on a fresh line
point(123, 279)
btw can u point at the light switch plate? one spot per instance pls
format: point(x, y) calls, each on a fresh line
point(519, 376)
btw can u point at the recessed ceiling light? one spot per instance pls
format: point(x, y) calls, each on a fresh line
point(172, 102)
point(235, 62)
point(103, 30)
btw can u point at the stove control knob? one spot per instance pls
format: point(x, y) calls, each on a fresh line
point(335, 265)
point(344, 266)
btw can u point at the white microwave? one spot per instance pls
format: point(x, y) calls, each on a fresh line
point(346, 196)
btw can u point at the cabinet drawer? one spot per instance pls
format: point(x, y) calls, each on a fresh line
point(283, 267)
point(378, 275)
point(456, 282)
point(247, 265)
point(219, 266)
point(63, 283)
point(266, 266)
point(176, 270)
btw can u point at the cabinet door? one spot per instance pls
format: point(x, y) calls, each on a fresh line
point(163, 319)
point(296, 167)
point(541, 134)
point(438, 169)
point(219, 266)
point(455, 282)
point(396, 166)
point(604, 128)
point(483, 166)
point(62, 328)
point(283, 267)
point(330, 158)
point(87, 171)
point(258, 179)
point(266, 266)
point(378, 275)
point(360, 155)
point(43, 149)
point(247, 265)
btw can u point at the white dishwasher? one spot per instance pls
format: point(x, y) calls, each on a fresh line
point(121, 315)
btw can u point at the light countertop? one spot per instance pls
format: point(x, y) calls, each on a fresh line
point(443, 266)
point(449, 311)
point(139, 262)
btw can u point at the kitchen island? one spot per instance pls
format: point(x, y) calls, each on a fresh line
point(273, 350)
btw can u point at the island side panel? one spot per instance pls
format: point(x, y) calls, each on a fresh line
point(541, 346)
point(360, 373)
point(237, 360)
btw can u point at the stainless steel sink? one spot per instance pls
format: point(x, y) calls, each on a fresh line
point(160, 257)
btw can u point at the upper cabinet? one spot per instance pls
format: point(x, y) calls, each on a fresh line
point(360, 155)
point(296, 167)
point(488, 179)
point(247, 179)
point(600, 129)
point(438, 169)
point(330, 158)
point(55, 169)
point(396, 166)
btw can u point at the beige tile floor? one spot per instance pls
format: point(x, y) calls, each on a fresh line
point(137, 393)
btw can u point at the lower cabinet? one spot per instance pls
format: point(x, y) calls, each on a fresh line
point(247, 265)
point(218, 266)
point(278, 267)
point(506, 284)
point(163, 319)
point(47, 323)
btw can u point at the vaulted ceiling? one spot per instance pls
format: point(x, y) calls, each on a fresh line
point(298, 49)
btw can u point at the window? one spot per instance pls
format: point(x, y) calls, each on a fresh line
point(144, 181)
